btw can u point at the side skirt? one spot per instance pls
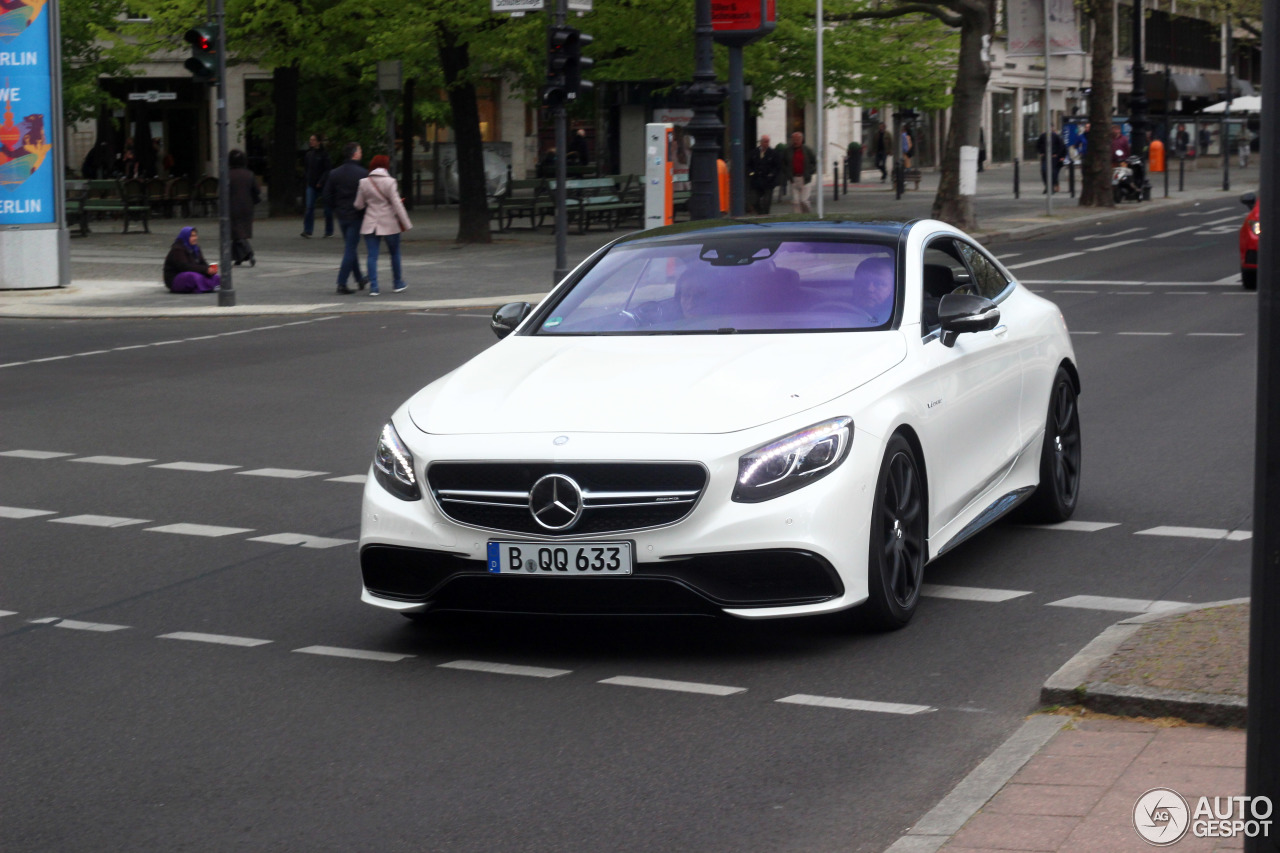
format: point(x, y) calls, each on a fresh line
point(988, 516)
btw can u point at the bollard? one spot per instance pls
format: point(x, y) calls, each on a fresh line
point(835, 185)
point(1016, 190)
point(899, 181)
point(1071, 177)
point(846, 176)
point(1181, 165)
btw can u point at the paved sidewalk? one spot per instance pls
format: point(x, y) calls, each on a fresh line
point(1070, 780)
point(118, 275)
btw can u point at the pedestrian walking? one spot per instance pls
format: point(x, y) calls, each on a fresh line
point(384, 219)
point(185, 269)
point(1057, 152)
point(340, 190)
point(315, 168)
point(762, 177)
point(882, 152)
point(244, 195)
point(578, 149)
point(798, 166)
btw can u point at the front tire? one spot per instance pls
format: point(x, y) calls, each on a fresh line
point(1249, 279)
point(1054, 500)
point(895, 560)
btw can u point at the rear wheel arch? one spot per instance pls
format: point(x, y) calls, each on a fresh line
point(1070, 368)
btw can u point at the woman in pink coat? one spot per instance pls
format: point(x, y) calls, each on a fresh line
point(384, 219)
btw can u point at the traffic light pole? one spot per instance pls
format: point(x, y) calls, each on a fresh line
point(226, 293)
point(562, 173)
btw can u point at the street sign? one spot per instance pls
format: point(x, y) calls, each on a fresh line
point(390, 75)
point(580, 5)
point(520, 6)
point(740, 22)
point(153, 96)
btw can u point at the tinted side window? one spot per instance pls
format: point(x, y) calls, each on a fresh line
point(986, 277)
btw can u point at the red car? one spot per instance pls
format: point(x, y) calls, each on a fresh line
point(1249, 232)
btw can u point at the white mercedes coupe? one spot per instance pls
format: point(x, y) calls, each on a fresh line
point(757, 418)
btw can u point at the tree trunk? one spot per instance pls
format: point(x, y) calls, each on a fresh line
point(1095, 178)
point(284, 184)
point(473, 206)
point(972, 75)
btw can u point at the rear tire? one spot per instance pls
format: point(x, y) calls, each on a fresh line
point(1054, 500)
point(1249, 279)
point(896, 553)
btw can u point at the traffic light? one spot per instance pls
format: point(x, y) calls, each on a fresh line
point(203, 63)
point(565, 64)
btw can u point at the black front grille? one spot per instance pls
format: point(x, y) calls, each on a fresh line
point(618, 496)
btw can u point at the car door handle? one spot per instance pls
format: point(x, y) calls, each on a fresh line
point(1001, 330)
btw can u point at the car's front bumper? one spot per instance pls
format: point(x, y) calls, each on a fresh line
point(800, 553)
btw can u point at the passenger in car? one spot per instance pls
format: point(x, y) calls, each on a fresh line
point(873, 289)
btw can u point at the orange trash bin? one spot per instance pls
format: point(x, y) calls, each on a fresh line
point(1155, 156)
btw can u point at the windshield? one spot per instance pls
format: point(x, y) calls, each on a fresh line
point(731, 285)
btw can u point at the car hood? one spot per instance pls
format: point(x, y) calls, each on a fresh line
point(652, 384)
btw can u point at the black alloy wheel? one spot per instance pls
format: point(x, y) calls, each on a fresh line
point(895, 564)
point(1060, 456)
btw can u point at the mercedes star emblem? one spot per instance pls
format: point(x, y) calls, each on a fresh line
point(556, 502)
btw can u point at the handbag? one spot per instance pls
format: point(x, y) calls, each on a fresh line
point(395, 209)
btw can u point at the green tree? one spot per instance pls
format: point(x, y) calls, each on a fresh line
point(93, 46)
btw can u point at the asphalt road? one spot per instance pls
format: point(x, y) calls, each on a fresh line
point(193, 697)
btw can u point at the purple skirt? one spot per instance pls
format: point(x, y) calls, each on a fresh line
point(194, 282)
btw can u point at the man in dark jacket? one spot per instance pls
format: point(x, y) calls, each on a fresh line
point(762, 177)
point(1057, 154)
point(339, 193)
point(315, 168)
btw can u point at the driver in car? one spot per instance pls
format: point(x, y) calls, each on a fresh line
point(873, 289)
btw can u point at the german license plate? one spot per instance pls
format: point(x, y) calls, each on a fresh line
point(562, 558)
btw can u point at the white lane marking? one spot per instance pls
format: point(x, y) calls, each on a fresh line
point(679, 686)
point(1043, 261)
point(1076, 526)
point(22, 512)
point(1130, 293)
point(8, 613)
point(1174, 232)
point(1115, 234)
point(1198, 533)
point(1008, 255)
point(505, 668)
point(99, 520)
point(351, 478)
point(1206, 212)
point(1085, 333)
point(204, 467)
point(1146, 334)
point(221, 639)
point(1112, 245)
point(855, 704)
point(1234, 278)
point(113, 460)
point(77, 626)
point(283, 473)
point(1119, 605)
point(970, 593)
point(1076, 291)
point(357, 654)
point(1188, 293)
point(199, 530)
point(1078, 281)
point(34, 454)
point(302, 539)
point(1215, 334)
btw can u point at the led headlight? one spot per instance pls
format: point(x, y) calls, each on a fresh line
point(393, 465)
point(793, 461)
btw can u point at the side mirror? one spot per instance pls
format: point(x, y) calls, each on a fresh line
point(962, 312)
point(505, 319)
point(1248, 200)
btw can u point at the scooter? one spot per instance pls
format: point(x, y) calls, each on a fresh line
point(1127, 178)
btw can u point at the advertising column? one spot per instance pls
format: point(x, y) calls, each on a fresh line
point(33, 237)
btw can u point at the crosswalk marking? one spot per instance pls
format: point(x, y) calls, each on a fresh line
point(302, 539)
point(351, 478)
point(113, 460)
point(970, 593)
point(1076, 526)
point(202, 467)
point(505, 668)
point(34, 454)
point(23, 512)
point(74, 625)
point(855, 704)
point(678, 686)
point(1198, 533)
point(1119, 605)
point(283, 473)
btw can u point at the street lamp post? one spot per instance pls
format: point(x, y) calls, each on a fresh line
point(226, 289)
point(1226, 120)
point(706, 95)
point(1138, 99)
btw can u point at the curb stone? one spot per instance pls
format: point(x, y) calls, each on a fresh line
point(1071, 684)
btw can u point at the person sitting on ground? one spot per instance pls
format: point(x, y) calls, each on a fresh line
point(185, 269)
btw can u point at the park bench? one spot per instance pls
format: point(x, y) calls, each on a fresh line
point(912, 176)
point(77, 218)
point(520, 200)
point(602, 199)
point(205, 194)
point(113, 196)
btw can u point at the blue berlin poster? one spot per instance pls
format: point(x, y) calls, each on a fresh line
point(26, 143)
